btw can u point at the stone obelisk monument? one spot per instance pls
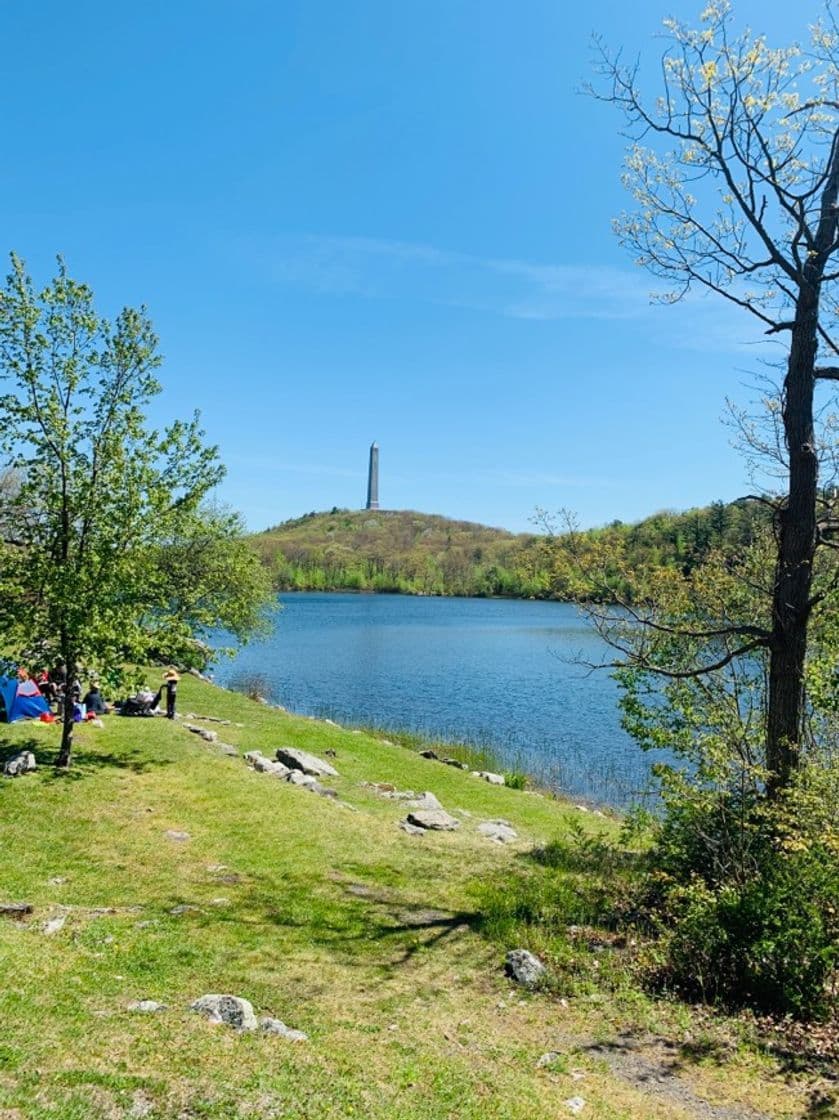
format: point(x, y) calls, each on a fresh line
point(373, 478)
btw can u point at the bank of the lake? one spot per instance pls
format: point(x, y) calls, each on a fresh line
point(503, 675)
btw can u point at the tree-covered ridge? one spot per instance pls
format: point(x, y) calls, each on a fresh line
point(416, 553)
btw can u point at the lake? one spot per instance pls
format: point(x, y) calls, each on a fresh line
point(497, 673)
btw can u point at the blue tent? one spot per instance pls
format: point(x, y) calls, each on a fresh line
point(21, 699)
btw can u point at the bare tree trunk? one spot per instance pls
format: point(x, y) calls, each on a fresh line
point(797, 544)
point(65, 751)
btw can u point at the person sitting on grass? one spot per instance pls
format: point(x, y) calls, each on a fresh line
point(93, 701)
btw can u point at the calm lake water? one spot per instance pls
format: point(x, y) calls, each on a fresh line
point(493, 672)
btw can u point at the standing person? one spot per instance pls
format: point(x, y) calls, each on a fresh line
point(171, 679)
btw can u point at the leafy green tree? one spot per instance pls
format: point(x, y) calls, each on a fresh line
point(108, 557)
point(735, 170)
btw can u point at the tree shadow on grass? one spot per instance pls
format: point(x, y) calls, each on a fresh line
point(84, 764)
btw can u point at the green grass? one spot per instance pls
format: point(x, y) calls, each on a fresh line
point(385, 948)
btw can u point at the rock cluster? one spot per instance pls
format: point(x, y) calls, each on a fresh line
point(296, 767)
point(236, 1012)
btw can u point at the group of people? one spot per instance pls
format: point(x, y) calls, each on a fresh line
point(58, 691)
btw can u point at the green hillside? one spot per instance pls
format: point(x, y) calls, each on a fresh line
point(393, 550)
point(160, 868)
point(425, 554)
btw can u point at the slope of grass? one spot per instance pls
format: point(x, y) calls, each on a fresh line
point(324, 915)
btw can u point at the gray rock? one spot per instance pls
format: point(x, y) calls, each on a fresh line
point(429, 754)
point(548, 1059)
point(458, 765)
point(252, 756)
point(488, 776)
point(309, 764)
point(411, 829)
point(275, 1026)
point(178, 837)
point(323, 791)
point(146, 1006)
point(575, 1105)
point(20, 764)
point(55, 924)
point(298, 778)
point(499, 831)
point(268, 766)
point(426, 800)
point(436, 820)
point(185, 908)
point(228, 749)
point(207, 735)
point(524, 968)
point(231, 1010)
point(16, 909)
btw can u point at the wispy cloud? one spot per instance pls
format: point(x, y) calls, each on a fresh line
point(378, 269)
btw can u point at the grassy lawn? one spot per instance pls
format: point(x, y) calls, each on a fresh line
point(324, 915)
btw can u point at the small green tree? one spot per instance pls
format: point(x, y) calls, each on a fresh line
point(107, 557)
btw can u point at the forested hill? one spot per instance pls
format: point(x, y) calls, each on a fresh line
point(418, 553)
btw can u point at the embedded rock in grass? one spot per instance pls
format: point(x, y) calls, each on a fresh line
point(435, 820)
point(276, 1026)
point(207, 735)
point(426, 800)
point(575, 1105)
point(19, 764)
point(499, 831)
point(228, 749)
point(323, 791)
point(231, 1010)
point(411, 829)
point(307, 763)
point(55, 924)
point(146, 1006)
point(458, 765)
point(548, 1059)
point(298, 778)
point(488, 776)
point(429, 754)
point(524, 968)
point(178, 837)
point(266, 765)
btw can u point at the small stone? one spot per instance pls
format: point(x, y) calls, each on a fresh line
point(429, 754)
point(55, 925)
point(499, 831)
point(207, 735)
point(458, 765)
point(141, 1106)
point(581, 809)
point(576, 1075)
point(575, 1105)
point(437, 820)
point(411, 829)
point(488, 776)
point(301, 760)
point(176, 836)
point(323, 791)
point(227, 749)
point(147, 1006)
point(56, 881)
point(298, 778)
point(276, 1026)
point(548, 1059)
point(185, 909)
point(524, 968)
point(231, 1010)
point(219, 901)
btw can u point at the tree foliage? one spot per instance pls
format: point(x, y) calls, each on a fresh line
point(104, 507)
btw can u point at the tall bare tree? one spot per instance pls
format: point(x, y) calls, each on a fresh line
point(734, 167)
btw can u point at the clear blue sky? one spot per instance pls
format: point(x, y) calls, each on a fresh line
point(376, 220)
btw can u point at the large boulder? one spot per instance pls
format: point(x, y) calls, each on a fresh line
point(231, 1010)
point(433, 820)
point(524, 968)
point(296, 759)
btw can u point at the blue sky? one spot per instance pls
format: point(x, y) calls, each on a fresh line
point(374, 220)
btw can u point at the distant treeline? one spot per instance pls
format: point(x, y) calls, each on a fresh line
point(424, 554)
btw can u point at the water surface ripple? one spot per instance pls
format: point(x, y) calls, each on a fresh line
point(495, 672)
